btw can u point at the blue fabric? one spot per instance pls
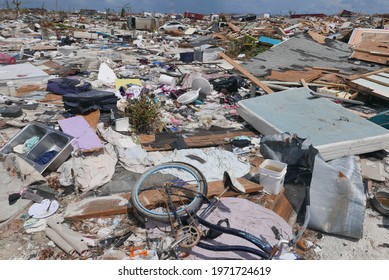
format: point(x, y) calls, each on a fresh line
point(46, 157)
point(30, 143)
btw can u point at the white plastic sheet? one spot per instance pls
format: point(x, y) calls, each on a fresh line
point(337, 197)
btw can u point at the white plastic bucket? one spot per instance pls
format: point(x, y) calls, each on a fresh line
point(11, 88)
point(167, 80)
point(272, 175)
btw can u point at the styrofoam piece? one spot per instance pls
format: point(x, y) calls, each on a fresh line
point(188, 97)
point(202, 84)
point(272, 175)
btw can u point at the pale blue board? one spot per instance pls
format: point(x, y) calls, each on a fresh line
point(319, 119)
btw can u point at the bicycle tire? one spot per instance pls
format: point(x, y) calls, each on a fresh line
point(199, 191)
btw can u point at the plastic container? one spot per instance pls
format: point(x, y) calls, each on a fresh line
point(188, 97)
point(272, 175)
point(187, 57)
point(167, 80)
point(122, 124)
point(202, 84)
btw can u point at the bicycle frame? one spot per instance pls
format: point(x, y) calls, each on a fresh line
point(189, 221)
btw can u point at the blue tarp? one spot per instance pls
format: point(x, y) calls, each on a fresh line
point(268, 40)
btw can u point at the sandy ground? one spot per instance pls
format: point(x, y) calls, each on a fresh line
point(373, 246)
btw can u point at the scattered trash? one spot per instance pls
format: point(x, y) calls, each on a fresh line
point(262, 106)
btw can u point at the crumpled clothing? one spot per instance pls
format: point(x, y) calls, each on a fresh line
point(130, 155)
point(30, 143)
point(90, 172)
point(46, 157)
point(18, 149)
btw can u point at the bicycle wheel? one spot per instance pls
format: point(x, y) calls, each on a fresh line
point(169, 191)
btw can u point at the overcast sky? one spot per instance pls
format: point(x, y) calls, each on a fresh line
point(214, 6)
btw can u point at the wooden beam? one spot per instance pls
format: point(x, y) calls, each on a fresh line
point(246, 73)
point(304, 83)
point(336, 70)
point(118, 204)
point(233, 26)
point(354, 77)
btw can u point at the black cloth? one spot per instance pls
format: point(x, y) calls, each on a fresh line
point(86, 102)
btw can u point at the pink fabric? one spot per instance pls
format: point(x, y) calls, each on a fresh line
point(6, 59)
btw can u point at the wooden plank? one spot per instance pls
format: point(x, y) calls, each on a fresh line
point(354, 77)
point(303, 83)
point(336, 70)
point(283, 208)
point(194, 141)
point(117, 204)
point(98, 207)
point(233, 26)
point(246, 73)
point(308, 75)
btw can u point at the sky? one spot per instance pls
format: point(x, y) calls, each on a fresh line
point(283, 7)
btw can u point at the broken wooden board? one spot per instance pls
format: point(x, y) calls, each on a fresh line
point(118, 204)
point(246, 73)
point(52, 98)
point(308, 75)
point(317, 37)
point(233, 26)
point(284, 209)
point(193, 141)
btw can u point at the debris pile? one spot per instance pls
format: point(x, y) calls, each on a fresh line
point(293, 110)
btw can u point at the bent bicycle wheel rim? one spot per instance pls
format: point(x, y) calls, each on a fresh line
point(192, 177)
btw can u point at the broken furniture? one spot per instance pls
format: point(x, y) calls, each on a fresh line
point(48, 140)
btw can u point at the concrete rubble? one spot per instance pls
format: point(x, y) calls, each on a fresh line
point(99, 99)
